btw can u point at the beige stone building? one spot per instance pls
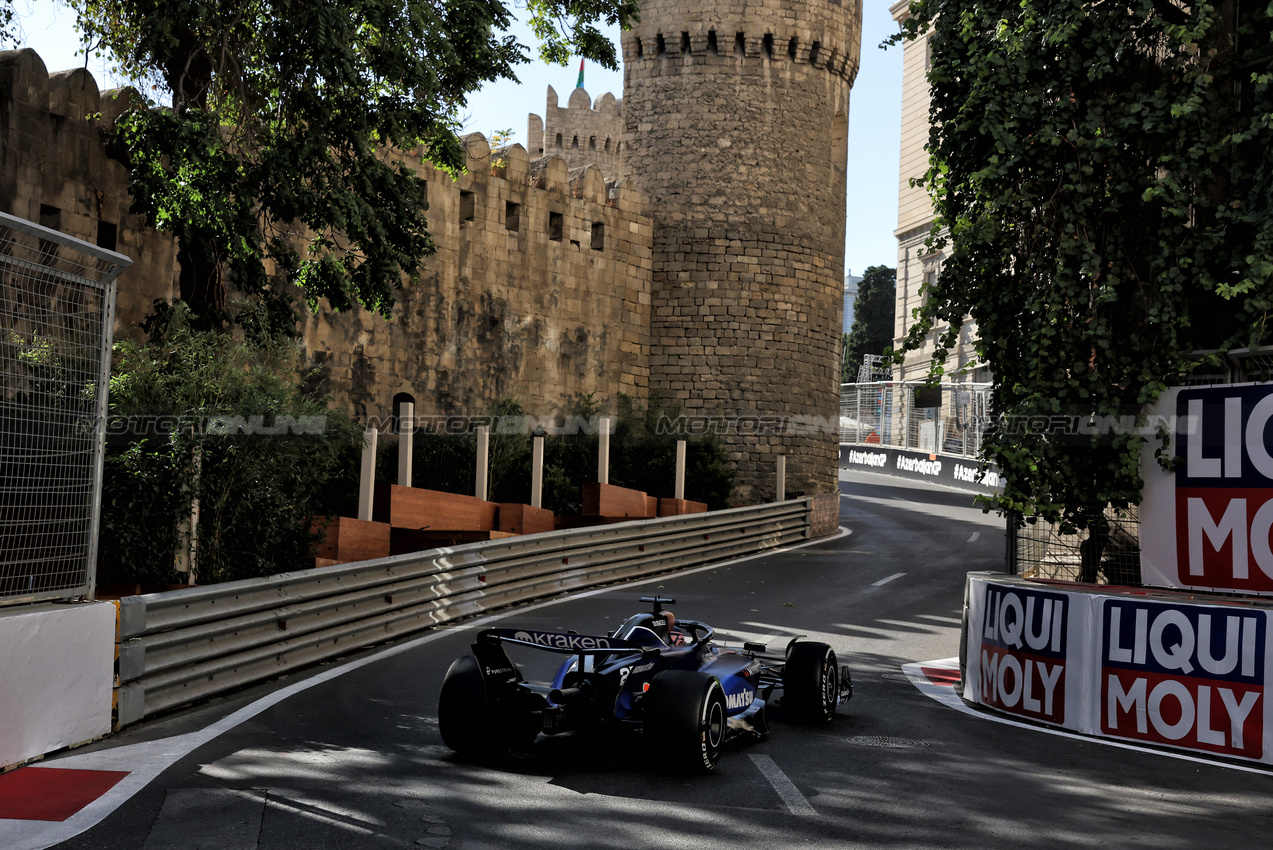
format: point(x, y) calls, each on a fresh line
point(915, 264)
point(685, 242)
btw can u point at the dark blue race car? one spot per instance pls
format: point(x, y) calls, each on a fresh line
point(657, 680)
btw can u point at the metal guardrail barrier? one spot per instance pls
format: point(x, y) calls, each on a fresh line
point(185, 645)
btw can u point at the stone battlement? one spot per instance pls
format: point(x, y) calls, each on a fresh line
point(582, 132)
point(539, 289)
point(803, 48)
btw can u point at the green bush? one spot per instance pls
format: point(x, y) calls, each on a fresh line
point(190, 413)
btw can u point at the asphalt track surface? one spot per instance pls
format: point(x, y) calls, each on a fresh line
point(356, 761)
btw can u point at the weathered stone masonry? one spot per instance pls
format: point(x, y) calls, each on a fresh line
point(539, 290)
point(713, 277)
point(736, 119)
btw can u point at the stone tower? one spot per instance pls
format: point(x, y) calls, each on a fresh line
point(736, 127)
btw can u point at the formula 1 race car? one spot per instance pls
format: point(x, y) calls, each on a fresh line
point(656, 680)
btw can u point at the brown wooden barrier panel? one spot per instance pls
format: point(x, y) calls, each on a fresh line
point(679, 507)
point(607, 500)
point(416, 508)
point(349, 540)
point(524, 519)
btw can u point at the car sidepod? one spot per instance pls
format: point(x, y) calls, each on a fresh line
point(745, 706)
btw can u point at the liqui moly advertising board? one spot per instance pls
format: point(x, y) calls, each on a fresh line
point(1208, 523)
point(1018, 650)
point(1190, 676)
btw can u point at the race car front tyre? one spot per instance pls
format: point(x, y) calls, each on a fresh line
point(810, 683)
point(469, 723)
point(684, 720)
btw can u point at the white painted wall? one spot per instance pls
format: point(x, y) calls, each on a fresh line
point(56, 669)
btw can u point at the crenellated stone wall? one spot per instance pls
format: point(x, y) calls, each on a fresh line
point(539, 290)
point(687, 240)
point(54, 171)
point(582, 133)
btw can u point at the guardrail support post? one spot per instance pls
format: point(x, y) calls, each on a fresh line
point(603, 452)
point(537, 473)
point(782, 479)
point(680, 470)
point(406, 435)
point(483, 459)
point(367, 480)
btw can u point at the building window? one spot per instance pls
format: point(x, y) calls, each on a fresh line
point(512, 216)
point(711, 41)
point(556, 226)
point(598, 236)
point(107, 235)
point(50, 217)
point(575, 144)
point(592, 143)
point(468, 206)
point(559, 141)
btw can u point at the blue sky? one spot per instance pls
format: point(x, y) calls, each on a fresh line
point(874, 113)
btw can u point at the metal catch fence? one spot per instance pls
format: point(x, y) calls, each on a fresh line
point(1041, 550)
point(949, 418)
point(57, 298)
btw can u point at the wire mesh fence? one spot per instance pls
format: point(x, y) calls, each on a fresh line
point(56, 314)
point(1108, 555)
point(947, 419)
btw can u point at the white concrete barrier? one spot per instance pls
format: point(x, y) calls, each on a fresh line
point(56, 672)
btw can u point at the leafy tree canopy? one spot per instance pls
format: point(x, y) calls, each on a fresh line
point(1102, 182)
point(295, 120)
point(872, 331)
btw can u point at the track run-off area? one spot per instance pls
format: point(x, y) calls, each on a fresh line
point(348, 755)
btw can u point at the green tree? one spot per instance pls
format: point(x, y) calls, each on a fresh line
point(1102, 179)
point(286, 156)
point(872, 331)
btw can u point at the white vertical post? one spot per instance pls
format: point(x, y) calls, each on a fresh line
point(679, 492)
point(782, 478)
point(406, 438)
point(603, 452)
point(483, 459)
point(367, 480)
point(537, 473)
point(857, 419)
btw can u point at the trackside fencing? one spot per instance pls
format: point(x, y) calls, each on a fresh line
point(57, 297)
point(185, 645)
point(946, 419)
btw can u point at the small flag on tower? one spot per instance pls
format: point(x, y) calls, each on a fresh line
point(579, 84)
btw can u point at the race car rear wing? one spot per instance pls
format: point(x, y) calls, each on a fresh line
point(568, 643)
point(499, 670)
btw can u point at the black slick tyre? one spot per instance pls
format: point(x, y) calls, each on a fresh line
point(810, 682)
point(684, 720)
point(470, 724)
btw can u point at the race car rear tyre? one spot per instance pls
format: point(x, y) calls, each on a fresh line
point(470, 724)
point(684, 720)
point(810, 682)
